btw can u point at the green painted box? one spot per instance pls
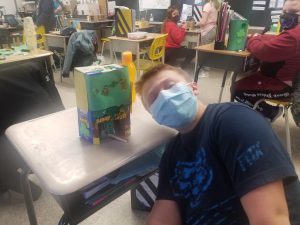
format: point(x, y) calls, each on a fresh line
point(103, 97)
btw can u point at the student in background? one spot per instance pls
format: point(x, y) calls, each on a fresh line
point(208, 24)
point(208, 21)
point(176, 35)
point(45, 15)
point(58, 7)
point(279, 56)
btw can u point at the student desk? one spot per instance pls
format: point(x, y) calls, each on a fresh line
point(192, 37)
point(234, 61)
point(56, 40)
point(68, 166)
point(35, 55)
point(121, 44)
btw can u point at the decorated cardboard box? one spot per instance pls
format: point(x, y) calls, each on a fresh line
point(103, 101)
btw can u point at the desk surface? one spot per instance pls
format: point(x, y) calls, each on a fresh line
point(56, 35)
point(95, 22)
point(210, 48)
point(150, 36)
point(51, 147)
point(27, 56)
point(8, 28)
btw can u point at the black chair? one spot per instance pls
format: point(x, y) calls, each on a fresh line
point(26, 92)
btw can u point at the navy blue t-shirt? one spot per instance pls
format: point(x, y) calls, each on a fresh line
point(232, 151)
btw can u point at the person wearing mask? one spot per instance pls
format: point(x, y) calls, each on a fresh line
point(208, 21)
point(45, 15)
point(176, 35)
point(279, 58)
point(208, 24)
point(225, 166)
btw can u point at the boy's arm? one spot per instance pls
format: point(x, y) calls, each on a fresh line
point(272, 48)
point(164, 212)
point(266, 205)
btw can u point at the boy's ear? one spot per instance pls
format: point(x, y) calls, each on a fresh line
point(194, 87)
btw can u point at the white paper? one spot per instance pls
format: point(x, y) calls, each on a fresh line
point(259, 2)
point(187, 10)
point(272, 3)
point(256, 8)
point(111, 8)
point(280, 3)
point(275, 17)
point(275, 20)
point(276, 12)
point(154, 4)
point(198, 2)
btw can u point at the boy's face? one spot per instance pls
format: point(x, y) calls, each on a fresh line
point(161, 81)
point(292, 6)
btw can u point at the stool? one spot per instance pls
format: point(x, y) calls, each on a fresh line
point(104, 41)
point(286, 104)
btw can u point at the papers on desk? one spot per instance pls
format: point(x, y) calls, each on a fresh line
point(101, 189)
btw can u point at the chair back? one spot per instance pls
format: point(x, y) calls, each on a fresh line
point(40, 37)
point(157, 48)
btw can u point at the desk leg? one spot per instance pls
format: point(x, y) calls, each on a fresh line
point(222, 86)
point(49, 68)
point(28, 197)
point(198, 66)
point(138, 60)
point(233, 79)
point(111, 51)
point(63, 220)
point(196, 59)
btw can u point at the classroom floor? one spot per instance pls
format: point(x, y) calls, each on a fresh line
point(12, 208)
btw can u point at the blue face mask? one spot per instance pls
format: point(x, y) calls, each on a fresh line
point(175, 107)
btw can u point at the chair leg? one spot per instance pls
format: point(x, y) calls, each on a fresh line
point(287, 131)
point(257, 103)
point(102, 48)
point(116, 59)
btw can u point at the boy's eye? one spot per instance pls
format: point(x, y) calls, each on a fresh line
point(169, 85)
point(152, 98)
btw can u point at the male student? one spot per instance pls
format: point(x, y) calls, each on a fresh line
point(226, 165)
point(279, 56)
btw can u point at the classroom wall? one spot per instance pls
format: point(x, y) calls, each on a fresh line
point(256, 18)
point(10, 5)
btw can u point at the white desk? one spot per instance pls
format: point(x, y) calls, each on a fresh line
point(122, 44)
point(57, 41)
point(192, 38)
point(65, 163)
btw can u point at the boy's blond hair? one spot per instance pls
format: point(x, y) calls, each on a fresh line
point(154, 71)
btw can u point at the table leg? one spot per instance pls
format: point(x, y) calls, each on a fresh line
point(222, 86)
point(196, 59)
point(111, 51)
point(28, 197)
point(198, 66)
point(63, 220)
point(49, 68)
point(138, 60)
point(233, 79)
